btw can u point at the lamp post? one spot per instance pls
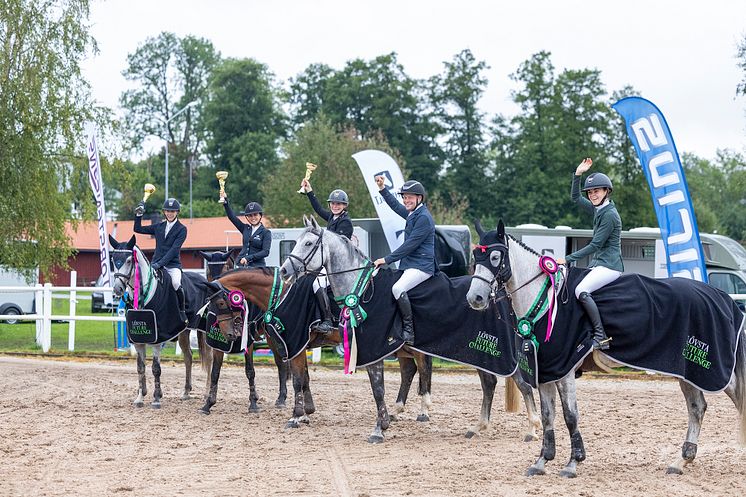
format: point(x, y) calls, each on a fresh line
point(190, 104)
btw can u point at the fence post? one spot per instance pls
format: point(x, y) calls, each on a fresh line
point(73, 308)
point(39, 310)
point(47, 339)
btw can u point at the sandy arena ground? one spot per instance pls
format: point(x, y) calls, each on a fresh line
point(68, 428)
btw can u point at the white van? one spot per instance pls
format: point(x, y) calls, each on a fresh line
point(16, 303)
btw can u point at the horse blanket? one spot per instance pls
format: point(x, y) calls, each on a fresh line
point(674, 326)
point(165, 307)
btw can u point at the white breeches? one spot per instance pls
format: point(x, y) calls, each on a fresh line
point(598, 277)
point(410, 279)
point(175, 274)
point(320, 282)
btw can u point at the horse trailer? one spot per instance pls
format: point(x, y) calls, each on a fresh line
point(16, 303)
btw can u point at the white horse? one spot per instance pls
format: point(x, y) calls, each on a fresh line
point(496, 270)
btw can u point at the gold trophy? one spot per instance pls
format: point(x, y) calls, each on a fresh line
point(221, 176)
point(309, 169)
point(148, 190)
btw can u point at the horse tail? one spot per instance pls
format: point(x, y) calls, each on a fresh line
point(205, 354)
point(512, 396)
point(739, 397)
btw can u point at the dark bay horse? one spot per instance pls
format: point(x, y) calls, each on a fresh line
point(317, 248)
point(508, 263)
point(124, 277)
point(217, 264)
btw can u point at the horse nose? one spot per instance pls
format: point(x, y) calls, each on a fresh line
point(478, 299)
point(283, 272)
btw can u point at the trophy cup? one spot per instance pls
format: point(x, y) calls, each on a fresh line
point(147, 191)
point(221, 176)
point(309, 169)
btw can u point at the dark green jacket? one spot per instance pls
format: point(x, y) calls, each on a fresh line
point(606, 244)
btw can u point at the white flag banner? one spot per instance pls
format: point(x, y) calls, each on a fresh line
point(374, 163)
point(97, 185)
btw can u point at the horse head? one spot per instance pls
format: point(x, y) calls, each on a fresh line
point(121, 259)
point(492, 270)
point(227, 306)
point(308, 254)
point(217, 263)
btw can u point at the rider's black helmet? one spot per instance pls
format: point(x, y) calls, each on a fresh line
point(338, 196)
point(413, 187)
point(253, 208)
point(597, 180)
point(171, 204)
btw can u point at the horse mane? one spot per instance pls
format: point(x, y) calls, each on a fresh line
point(523, 245)
point(352, 247)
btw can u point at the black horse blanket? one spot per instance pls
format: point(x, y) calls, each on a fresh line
point(445, 326)
point(164, 307)
point(675, 326)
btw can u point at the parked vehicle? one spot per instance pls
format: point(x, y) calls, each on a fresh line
point(16, 303)
point(98, 303)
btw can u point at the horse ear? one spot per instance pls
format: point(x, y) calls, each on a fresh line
point(500, 229)
point(223, 256)
point(478, 227)
point(305, 221)
point(205, 255)
point(131, 242)
point(113, 242)
point(314, 223)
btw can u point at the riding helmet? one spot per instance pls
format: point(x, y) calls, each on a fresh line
point(597, 180)
point(413, 187)
point(338, 196)
point(171, 204)
point(253, 208)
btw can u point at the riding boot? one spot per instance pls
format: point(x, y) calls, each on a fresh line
point(326, 325)
point(407, 326)
point(600, 340)
point(182, 304)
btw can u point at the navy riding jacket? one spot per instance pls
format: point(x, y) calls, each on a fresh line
point(167, 248)
point(341, 225)
point(255, 246)
point(418, 249)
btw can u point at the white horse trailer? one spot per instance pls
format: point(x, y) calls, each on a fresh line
point(16, 303)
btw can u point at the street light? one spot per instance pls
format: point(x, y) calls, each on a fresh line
point(190, 104)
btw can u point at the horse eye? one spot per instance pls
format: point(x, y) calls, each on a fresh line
point(495, 258)
point(308, 244)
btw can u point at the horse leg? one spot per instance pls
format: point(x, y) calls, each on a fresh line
point(488, 382)
point(696, 407)
point(375, 374)
point(212, 394)
point(186, 349)
point(143, 390)
point(425, 369)
point(309, 406)
point(299, 369)
point(251, 376)
point(282, 372)
point(568, 397)
point(157, 393)
point(407, 370)
point(534, 421)
point(547, 393)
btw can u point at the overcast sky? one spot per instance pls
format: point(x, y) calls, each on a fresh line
point(678, 54)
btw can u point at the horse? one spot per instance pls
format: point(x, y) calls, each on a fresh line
point(506, 263)
point(219, 263)
point(343, 261)
point(125, 267)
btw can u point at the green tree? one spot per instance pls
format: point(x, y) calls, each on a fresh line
point(170, 73)
point(456, 94)
point(245, 121)
point(319, 142)
point(44, 101)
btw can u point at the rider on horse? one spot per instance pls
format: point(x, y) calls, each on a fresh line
point(606, 245)
point(338, 221)
point(417, 253)
point(256, 240)
point(169, 237)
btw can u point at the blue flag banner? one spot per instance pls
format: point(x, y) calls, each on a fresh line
point(648, 130)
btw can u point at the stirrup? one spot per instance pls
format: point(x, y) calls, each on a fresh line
point(324, 327)
point(602, 344)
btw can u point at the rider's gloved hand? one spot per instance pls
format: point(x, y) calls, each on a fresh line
point(140, 209)
point(155, 266)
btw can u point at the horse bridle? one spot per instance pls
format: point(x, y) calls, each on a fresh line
point(123, 277)
point(304, 262)
point(501, 273)
point(228, 312)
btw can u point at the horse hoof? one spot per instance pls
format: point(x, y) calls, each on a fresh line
point(532, 471)
point(254, 410)
point(674, 471)
point(186, 396)
point(530, 438)
point(470, 434)
point(138, 404)
point(375, 439)
point(292, 424)
point(423, 418)
point(566, 473)
point(205, 411)
point(155, 405)
point(280, 404)
point(309, 410)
